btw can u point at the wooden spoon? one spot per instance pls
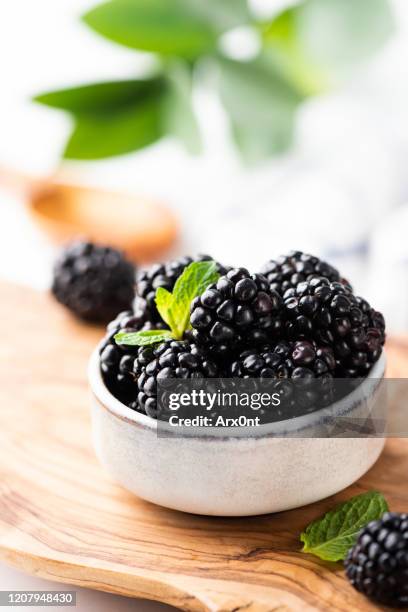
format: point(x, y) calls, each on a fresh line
point(143, 228)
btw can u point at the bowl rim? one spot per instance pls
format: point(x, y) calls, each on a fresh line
point(123, 412)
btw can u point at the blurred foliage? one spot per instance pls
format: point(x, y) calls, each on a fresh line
point(316, 43)
point(261, 105)
point(303, 51)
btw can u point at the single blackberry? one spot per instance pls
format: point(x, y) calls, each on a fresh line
point(289, 270)
point(239, 309)
point(377, 565)
point(172, 359)
point(331, 315)
point(117, 361)
point(301, 372)
point(301, 359)
point(94, 282)
point(162, 275)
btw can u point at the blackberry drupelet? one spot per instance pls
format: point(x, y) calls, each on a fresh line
point(239, 309)
point(94, 282)
point(289, 270)
point(117, 361)
point(331, 315)
point(172, 359)
point(377, 565)
point(162, 275)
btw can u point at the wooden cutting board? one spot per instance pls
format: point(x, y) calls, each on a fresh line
point(62, 518)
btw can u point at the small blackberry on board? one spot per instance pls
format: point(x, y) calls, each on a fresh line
point(377, 565)
point(95, 282)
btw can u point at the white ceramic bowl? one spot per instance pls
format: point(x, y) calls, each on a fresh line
point(231, 476)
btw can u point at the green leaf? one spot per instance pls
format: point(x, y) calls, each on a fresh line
point(317, 42)
point(338, 33)
point(168, 27)
point(178, 113)
point(331, 536)
point(174, 308)
point(143, 338)
point(193, 282)
point(225, 14)
point(283, 49)
point(261, 106)
point(116, 133)
point(102, 97)
point(111, 118)
point(164, 301)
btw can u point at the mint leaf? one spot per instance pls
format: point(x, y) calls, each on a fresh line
point(143, 338)
point(164, 301)
point(174, 308)
point(331, 536)
point(193, 282)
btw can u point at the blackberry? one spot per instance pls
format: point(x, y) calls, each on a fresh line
point(377, 565)
point(301, 359)
point(296, 267)
point(117, 361)
point(94, 282)
point(239, 309)
point(172, 359)
point(331, 315)
point(301, 372)
point(162, 275)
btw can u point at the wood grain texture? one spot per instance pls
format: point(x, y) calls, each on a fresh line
point(61, 517)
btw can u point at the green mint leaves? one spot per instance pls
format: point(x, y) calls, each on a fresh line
point(331, 536)
point(174, 308)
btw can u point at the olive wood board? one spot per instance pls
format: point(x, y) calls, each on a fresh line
point(63, 518)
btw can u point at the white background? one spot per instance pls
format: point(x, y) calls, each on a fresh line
point(340, 193)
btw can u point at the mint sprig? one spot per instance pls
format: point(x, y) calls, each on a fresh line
point(331, 536)
point(174, 307)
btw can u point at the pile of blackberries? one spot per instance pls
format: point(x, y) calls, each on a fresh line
point(300, 320)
